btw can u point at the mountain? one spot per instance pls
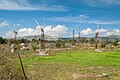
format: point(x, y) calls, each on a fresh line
point(115, 36)
point(54, 38)
point(47, 37)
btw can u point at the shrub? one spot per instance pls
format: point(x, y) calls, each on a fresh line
point(115, 43)
point(103, 45)
point(58, 44)
point(34, 47)
point(2, 40)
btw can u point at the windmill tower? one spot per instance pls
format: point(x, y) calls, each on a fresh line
point(42, 40)
point(73, 39)
point(20, 59)
point(79, 38)
point(15, 35)
point(18, 53)
point(73, 34)
point(96, 37)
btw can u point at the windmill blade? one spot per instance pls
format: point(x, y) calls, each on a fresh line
point(37, 22)
point(2, 33)
point(98, 26)
point(39, 25)
point(74, 28)
point(15, 32)
point(77, 30)
point(43, 24)
point(12, 28)
point(10, 35)
point(70, 33)
point(70, 28)
point(19, 36)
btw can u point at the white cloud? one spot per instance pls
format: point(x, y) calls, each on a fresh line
point(101, 3)
point(113, 32)
point(79, 18)
point(61, 30)
point(16, 25)
point(25, 5)
point(102, 32)
point(4, 23)
point(57, 30)
point(25, 32)
point(87, 31)
point(84, 19)
point(9, 34)
point(104, 22)
point(83, 16)
point(112, 1)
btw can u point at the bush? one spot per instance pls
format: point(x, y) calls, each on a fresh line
point(103, 45)
point(2, 40)
point(34, 47)
point(58, 44)
point(92, 40)
point(115, 43)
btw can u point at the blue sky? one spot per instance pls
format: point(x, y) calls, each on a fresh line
point(59, 17)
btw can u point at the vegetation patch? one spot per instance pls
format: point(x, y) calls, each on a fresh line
point(80, 65)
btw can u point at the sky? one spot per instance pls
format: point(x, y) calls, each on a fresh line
point(59, 17)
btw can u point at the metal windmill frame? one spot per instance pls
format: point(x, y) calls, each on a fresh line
point(20, 59)
point(96, 37)
point(73, 35)
point(42, 38)
point(18, 53)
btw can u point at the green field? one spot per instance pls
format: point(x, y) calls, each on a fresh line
point(80, 65)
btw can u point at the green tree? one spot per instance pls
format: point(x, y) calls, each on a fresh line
point(34, 47)
point(58, 45)
point(103, 44)
point(82, 40)
point(115, 43)
point(2, 40)
point(92, 40)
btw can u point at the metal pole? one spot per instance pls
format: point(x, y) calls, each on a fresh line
point(79, 38)
point(73, 38)
point(20, 59)
point(96, 38)
point(42, 39)
point(22, 65)
point(15, 33)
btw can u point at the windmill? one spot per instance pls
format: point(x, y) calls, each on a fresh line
point(96, 37)
point(15, 35)
point(18, 53)
point(73, 40)
point(73, 35)
point(79, 38)
point(42, 40)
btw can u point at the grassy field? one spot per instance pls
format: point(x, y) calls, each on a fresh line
point(81, 65)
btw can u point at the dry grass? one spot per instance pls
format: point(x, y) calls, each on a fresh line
point(7, 70)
